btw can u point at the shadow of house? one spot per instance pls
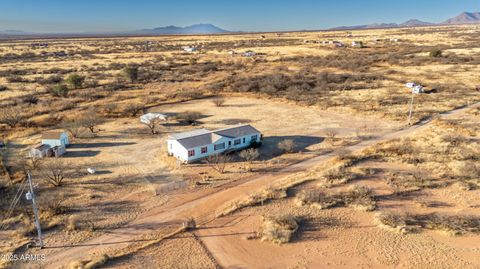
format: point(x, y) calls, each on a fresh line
point(81, 153)
point(100, 145)
point(270, 148)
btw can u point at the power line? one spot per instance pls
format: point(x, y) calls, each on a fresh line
point(15, 201)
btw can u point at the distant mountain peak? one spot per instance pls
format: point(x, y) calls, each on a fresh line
point(415, 22)
point(464, 18)
point(202, 28)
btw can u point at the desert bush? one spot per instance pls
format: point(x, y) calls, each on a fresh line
point(30, 99)
point(190, 117)
point(133, 109)
point(451, 225)
point(3, 88)
point(219, 162)
point(279, 229)
point(73, 126)
point(11, 116)
point(357, 197)
point(436, 53)
point(60, 90)
point(54, 172)
point(90, 119)
point(249, 155)
point(131, 72)
point(219, 101)
point(75, 81)
point(405, 183)
point(287, 145)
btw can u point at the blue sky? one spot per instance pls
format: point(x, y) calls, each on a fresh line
point(245, 15)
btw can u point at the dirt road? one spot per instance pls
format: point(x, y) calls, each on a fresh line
point(205, 207)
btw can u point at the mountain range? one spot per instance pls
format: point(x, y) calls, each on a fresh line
point(192, 29)
point(463, 18)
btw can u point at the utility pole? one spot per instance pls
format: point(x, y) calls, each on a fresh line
point(31, 197)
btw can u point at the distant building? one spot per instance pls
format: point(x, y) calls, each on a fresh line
point(40, 151)
point(357, 44)
point(249, 53)
point(199, 144)
point(55, 138)
point(190, 49)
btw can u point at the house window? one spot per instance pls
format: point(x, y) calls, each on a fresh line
point(237, 141)
point(191, 153)
point(204, 150)
point(254, 138)
point(244, 140)
point(219, 146)
point(229, 143)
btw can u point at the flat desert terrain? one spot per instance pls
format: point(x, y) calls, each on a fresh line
point(342, 179)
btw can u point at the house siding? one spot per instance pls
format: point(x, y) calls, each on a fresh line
point(177, 150)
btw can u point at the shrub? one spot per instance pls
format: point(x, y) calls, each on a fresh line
point(133, 109)
point(279, 229)
point(219, 101)
point(3, 88)
point(60, 90)
point(436, 53)
point(287, 145)
point(11, 116)
point(190, 117)
point(131, 72)
point(75, 81)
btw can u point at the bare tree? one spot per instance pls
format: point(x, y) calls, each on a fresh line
point(54, 172)
point(154, 124)
point(133, 109)
point(249, 155)
point(287, 145)
point(73, 126)
point(219, 162)
point(331, 135)
point(90, 119)
point(11, 116)
point(219, 101)
point(33, 162)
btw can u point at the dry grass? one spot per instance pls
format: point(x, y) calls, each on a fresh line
point(279, 229)
point(451, 225)
point(357, 197)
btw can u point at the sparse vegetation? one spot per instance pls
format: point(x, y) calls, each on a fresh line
point(279, 229)
point(287, 145)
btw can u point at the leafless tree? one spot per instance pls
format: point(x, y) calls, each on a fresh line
point(219, 101)
point(154, 124)
point(133, 109)
point(11, 116)
point(331, 135)
point(219, 162)
point(33, 162)
point(287, 145)
point(73, 126)
point(54, 172)
point(90, 119)
point(249, 155)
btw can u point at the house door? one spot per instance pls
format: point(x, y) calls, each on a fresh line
point(229, 144)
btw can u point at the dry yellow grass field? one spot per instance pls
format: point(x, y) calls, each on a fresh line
point(345, 109)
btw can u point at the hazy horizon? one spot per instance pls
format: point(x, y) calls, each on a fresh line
point(54, 16)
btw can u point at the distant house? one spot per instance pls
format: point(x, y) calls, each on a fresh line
point(190, 49)
point(44, 150)
point(249, 53)
point(357, 44)
point(55, 138)
point(40, 151)
point(199, 144)
point(418, 89)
